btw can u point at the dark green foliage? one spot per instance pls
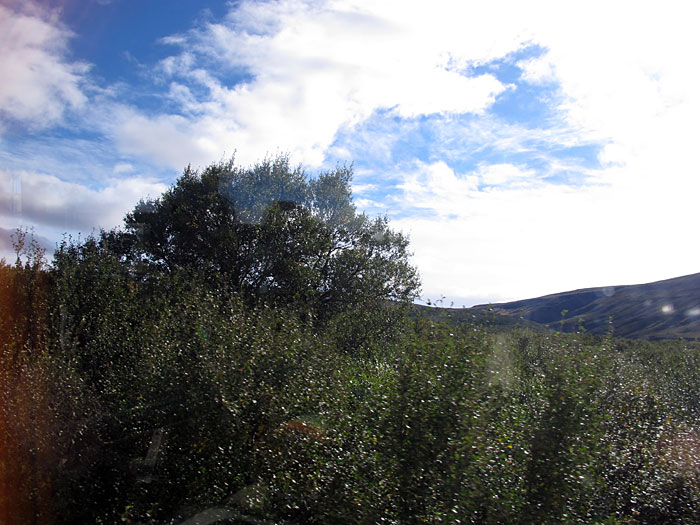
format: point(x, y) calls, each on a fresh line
point(271, 232)
point(146, 376)
point(259, 411)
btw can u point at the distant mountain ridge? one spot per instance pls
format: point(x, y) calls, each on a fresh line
point(659, 310)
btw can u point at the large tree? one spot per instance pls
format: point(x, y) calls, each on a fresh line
point(272, 231)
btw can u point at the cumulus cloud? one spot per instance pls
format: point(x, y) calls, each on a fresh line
point(166, 140)
point(39, 80)
point(50, 203)
point(629, 89)
point(513, 242)
point(304, 70)
point(483, 240)
point(437, 188)
point(489, 203)
point(363, 188)
point(539, 70)
point(122, 167)
point(500, 174)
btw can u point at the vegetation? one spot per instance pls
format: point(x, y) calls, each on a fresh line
point(258, 354)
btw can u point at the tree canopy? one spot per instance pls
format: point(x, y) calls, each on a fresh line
point(271, 231)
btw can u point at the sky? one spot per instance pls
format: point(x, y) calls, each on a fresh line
point(525, 148)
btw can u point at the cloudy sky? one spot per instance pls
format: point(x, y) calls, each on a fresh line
point(526, 147)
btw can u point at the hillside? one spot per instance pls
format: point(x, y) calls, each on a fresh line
point(659, 310)
point(494, 320)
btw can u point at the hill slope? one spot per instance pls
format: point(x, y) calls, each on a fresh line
point(496, 321)
point(659, 310)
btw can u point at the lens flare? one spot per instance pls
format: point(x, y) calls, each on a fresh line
point(693, 312)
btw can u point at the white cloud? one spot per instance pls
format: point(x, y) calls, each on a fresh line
point(363, 188)
point(166, 140)
point(626, 82)
point(437, 188)
point(625, 75)
point(55, 205)
point(514, 242)
point(310, 69)
point(173, 65)
point(538, 70)
point(498, 174)
point(122, 167)
point(368, 204)
point(293, 75)
point(39, 81)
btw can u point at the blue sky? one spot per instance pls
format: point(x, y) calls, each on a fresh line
point(526, 147)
